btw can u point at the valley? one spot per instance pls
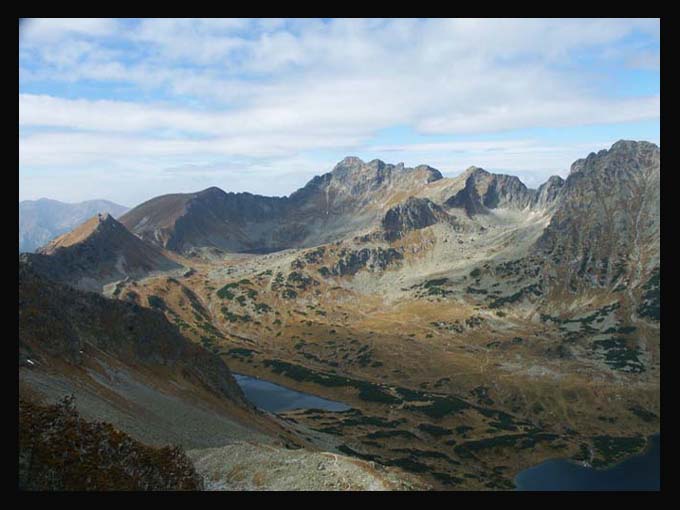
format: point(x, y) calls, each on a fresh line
point(475, 327)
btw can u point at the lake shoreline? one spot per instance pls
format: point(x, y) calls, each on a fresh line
point(275, 398)
point(648, 455)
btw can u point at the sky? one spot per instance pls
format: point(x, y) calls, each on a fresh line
point(128, 109)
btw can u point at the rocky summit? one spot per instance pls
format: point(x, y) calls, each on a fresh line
point(474, 327)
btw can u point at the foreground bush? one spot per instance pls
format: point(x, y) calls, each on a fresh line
point(58, 450)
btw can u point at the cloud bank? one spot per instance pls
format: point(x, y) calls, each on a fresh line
point(100, 98)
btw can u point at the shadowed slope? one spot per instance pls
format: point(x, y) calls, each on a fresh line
point(98, 252)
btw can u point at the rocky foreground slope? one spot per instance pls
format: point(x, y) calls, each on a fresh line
point(125, 364)
point(59, 451)
point(131, 392)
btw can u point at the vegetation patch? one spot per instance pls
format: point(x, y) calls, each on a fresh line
point(618, 355)
point(288, 294)
point(447, 479)
point(643, 414)
point(533, 289)
point(60, 451)
point(409, 464)
point(434, 430)
point(353, 453)
point(380, 434)
point(650, 306)
point(240, 351)
point(156, 302)
point(612, 449)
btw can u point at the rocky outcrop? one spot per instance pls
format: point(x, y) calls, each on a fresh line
point(414, 214)
point(352, 261)
point(484, 191)
point(250, 467)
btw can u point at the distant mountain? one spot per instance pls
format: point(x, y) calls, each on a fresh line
point(352, 197)
point(42, 220)
point(484, 191)
point(98, 252)
point(229, 221)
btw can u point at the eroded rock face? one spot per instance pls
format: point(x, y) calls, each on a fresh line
point(414, 214)
point(350, 262)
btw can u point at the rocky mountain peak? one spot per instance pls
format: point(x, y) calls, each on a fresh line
point(106, 221)
point(347, 165)
point(97, 252)
point(475, 171)
point(548, 192)
point(377, 164)
point(431, 174)
point(101, 224)
point(352, 167)
point(350, 161)
point(484, 190)
point(607, 205)
point(624, 153)
point(212, 191)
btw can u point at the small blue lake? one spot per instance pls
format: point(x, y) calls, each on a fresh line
point(276, 398)
point(639, 473)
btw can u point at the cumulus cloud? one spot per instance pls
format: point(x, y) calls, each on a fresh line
point(281, 88)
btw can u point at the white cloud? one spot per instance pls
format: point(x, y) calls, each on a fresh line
point(46, 30)
point(277, 88)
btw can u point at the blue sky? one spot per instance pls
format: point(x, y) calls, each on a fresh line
point(130, 109)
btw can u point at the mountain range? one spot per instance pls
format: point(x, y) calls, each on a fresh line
point(475, 326)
